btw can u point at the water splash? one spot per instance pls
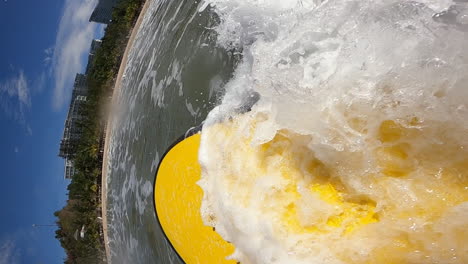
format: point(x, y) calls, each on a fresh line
point(364, 101)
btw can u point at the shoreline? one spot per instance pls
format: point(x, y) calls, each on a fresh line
point(108, 132)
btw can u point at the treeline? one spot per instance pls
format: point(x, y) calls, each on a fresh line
point(79, 223)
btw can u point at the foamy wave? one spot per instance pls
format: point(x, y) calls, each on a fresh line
point(376, 93)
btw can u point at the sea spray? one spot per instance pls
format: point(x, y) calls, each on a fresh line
point(356, 150)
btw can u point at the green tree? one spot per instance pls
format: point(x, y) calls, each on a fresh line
point(83, 205)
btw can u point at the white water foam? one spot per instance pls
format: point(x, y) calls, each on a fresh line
point(342, 81)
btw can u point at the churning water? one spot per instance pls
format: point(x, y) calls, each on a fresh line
point(364, 103)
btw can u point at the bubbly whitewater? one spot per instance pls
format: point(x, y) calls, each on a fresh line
point(355, 148)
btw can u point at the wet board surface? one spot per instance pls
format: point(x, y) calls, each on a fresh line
point(178, 200)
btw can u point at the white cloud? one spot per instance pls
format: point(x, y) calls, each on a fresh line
point(15, 97)
point(49, 52)
point(71, 46)
point(40, 82)
point(9, 254)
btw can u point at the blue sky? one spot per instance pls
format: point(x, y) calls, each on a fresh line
point(44, 44)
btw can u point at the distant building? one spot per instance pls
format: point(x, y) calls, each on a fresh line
point(103, 11)
point(69, 169)
point(72, 131)
point(95, 45)
point(80, 86)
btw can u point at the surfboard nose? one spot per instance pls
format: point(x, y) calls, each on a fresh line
point(177, 200)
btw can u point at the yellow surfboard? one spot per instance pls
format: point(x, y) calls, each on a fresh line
point(178, 199)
